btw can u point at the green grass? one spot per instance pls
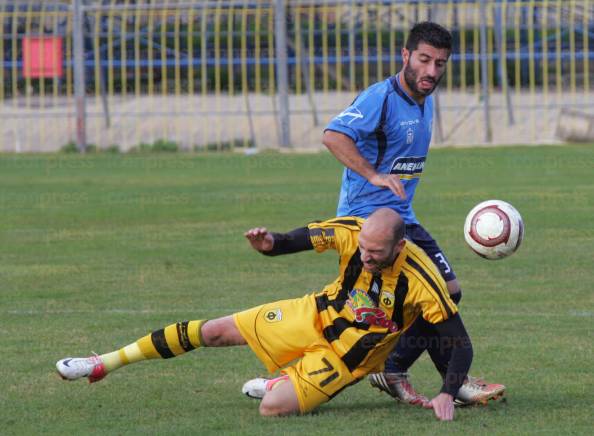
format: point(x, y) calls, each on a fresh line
point(96, 251)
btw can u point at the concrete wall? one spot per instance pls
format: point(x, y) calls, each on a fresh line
point(27, 126)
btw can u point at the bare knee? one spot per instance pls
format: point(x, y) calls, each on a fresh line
point(269, 409)
point(275, 408)
point(221, 332)
point(280, 401)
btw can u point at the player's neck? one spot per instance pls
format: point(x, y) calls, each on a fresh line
point(419, 99)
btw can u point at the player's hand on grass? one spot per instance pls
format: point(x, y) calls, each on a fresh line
point(390, 181)
point(260, 239)
point(443, 407)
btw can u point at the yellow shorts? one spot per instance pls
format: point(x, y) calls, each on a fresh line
point(286, 330)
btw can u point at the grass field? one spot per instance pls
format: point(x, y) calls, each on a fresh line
point(97, 251)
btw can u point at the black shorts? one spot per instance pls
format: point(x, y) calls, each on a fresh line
point(417, 234)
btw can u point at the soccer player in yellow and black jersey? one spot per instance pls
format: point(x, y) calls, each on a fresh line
point(337, 335)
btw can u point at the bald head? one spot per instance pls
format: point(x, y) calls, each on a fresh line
point(384, 223)
point(381, 239)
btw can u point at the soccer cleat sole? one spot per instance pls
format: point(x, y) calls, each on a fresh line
point(91, 380)
point(483, 402)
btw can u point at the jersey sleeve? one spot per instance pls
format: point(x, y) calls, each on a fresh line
point(340, 234)
point(454, 338)
point(432, 300)
point(293, 242)
point(362, 117)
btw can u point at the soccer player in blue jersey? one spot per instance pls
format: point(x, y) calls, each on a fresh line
point(383, 139)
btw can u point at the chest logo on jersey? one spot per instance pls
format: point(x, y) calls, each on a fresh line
point(349, 115)
point(274, 315)
point(408, 167)
point(387, 299)
point(410, 136)
point(366, 311)
point(410, 131)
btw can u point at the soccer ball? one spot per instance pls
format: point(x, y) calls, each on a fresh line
point(493, 229)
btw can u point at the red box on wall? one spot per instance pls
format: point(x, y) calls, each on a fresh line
point(42, 56)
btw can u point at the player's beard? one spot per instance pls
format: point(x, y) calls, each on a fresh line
point(411, 78)
point(379, 265)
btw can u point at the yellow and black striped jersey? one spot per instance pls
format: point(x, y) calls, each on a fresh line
point(362, 314)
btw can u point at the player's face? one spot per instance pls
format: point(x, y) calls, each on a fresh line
point(377, 254)
point(423, 68)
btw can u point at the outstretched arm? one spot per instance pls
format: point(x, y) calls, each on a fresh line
point(452, 334)
point(345, 150)
point(273, 244)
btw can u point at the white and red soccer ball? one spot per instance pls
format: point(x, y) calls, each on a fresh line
point(494, 229)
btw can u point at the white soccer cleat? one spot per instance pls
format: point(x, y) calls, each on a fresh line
point(477, 391)
point(73, 368)
point(255, 388)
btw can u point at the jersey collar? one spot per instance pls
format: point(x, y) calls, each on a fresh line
point(395, 81)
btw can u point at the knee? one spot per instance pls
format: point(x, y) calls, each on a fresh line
point(268, 410)
point(280, 401)
point(210, 333)
point(221, 332)
point(275, 408)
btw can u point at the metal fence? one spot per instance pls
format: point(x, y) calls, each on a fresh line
point(219, 74)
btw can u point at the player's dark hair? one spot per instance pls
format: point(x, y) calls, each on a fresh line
point(430, 33)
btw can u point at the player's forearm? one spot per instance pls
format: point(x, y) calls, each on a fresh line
point(292, 242)
point(458, 367)
point(453, 334)
point(344, 149)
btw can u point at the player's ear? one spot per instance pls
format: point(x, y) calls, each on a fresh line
point(405, 55)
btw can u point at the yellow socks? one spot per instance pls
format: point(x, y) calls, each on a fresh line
point(173, 340)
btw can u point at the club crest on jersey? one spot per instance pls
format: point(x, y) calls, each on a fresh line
point(387, 299)
point(274, 315)
point(349, 115)
point(408, 167)
point(410, 135)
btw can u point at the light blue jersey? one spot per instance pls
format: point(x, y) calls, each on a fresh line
point(393, 133)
